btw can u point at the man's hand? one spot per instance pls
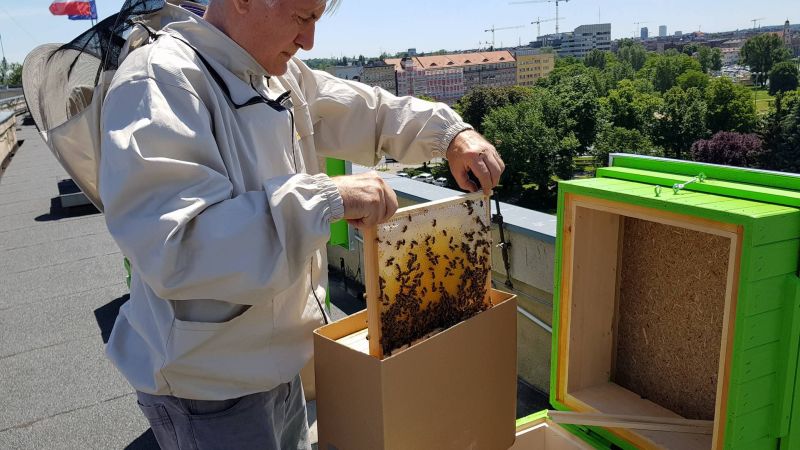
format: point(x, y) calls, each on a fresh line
point(368, 200)
point(470, 152)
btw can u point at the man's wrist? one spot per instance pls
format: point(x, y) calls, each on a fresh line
point(449, 136)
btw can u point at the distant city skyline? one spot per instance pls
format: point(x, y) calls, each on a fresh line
point(369, 27)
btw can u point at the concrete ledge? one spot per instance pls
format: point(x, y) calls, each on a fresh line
point(8, 135)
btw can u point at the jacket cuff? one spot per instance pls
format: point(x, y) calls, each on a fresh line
point(330, 193)
point(448, 134)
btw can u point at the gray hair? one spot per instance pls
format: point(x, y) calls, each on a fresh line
point(332, 4)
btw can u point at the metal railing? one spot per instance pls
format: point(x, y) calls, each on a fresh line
point(14, 103)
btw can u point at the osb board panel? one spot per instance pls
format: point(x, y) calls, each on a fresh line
point(670, 314)
point(434, 262)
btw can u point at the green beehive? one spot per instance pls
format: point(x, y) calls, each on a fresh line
point(676, 301)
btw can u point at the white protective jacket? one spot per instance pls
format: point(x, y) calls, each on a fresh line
point(221, 208)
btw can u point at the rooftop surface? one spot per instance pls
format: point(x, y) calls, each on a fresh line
point(62, 284)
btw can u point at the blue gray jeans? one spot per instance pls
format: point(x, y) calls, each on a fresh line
point(272, 420)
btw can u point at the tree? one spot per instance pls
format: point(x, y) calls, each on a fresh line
point(613, 139)
point(693, 79)
point(782, 133)
point(732, 149)
point(474, 106)
point(761, 53)
point(681, 121)
point(716, 59)
point(783, 77)
point(664, 70)
point(3, 71)
point(598, 59)
point(704, 58)
point(529, 148)
point(573, 107)
point(633, 53)
point(630, 108)
point(14, 75)
point(730, 107)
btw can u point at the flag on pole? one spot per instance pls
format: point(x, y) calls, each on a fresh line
point(75, 10)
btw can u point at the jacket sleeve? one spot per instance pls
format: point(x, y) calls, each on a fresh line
point(360, 123)
point(170, 206)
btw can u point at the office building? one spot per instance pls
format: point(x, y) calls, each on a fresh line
point(378, 73)
point(645, 33)
point(662, 31)
point(532, 65)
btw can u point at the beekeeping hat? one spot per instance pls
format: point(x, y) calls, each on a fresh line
point(64, 86)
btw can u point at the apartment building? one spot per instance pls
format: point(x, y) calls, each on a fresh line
point(378, 73)
point(346, 72)
point(532, 65)
point(448, 77)
point(579, 42)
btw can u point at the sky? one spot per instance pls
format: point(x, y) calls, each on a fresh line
point(370, 27)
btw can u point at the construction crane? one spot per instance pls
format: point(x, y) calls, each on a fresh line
point(638, 27)
point(756, 20)
point(540, 21)
point(493, 29)
point(543, 1)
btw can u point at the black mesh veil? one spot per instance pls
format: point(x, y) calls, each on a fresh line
point(53, 73)
point(60, 83)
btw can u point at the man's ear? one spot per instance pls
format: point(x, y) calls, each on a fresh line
point(242, 6)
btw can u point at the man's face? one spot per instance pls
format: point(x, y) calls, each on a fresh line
point(273, 34)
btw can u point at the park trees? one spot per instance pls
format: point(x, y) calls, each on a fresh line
point(783, 77)
point(761, 53)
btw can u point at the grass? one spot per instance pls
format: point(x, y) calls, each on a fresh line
point(762, 99)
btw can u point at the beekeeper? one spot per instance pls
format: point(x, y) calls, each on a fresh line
point(212, 131)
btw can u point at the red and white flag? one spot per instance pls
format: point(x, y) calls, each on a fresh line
point(71, 8)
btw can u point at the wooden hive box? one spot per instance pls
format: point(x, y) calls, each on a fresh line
point(679, 305)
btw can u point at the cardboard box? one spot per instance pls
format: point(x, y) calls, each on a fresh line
point(455, 390)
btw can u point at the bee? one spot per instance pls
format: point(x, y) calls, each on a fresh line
point(405, 227)
point(434, 222)
point(414, 243)
point(400, 243)
point(444, 232)
point(390, 261)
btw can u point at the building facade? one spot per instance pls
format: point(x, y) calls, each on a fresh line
point(662, 31)
point(346, 72)
point(532, 65)
point(645, 33)
point(378, 73)
point(584, 39)
point(447, 78)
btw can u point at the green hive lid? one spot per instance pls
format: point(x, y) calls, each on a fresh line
point(752, 184)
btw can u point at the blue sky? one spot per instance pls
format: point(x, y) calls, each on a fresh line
point(371, 26)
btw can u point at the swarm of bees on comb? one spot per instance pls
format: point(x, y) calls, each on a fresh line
point(434, 270)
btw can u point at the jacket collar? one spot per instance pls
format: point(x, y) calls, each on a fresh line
point(213, 43)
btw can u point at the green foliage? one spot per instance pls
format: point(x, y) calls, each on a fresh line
point(630, 107)
point(704, 58)
point(663, 70)
point(761, 53)
point(693, 79)
point(426, 98)
point(783, 77)
point(681, 121)
point(599, 59)
point(575, 108)
point(716, 59)
point(474, 106)
point(613, 139)
point(730, 107)
point(782, 133)
point(633, 53)
point(530, 149)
